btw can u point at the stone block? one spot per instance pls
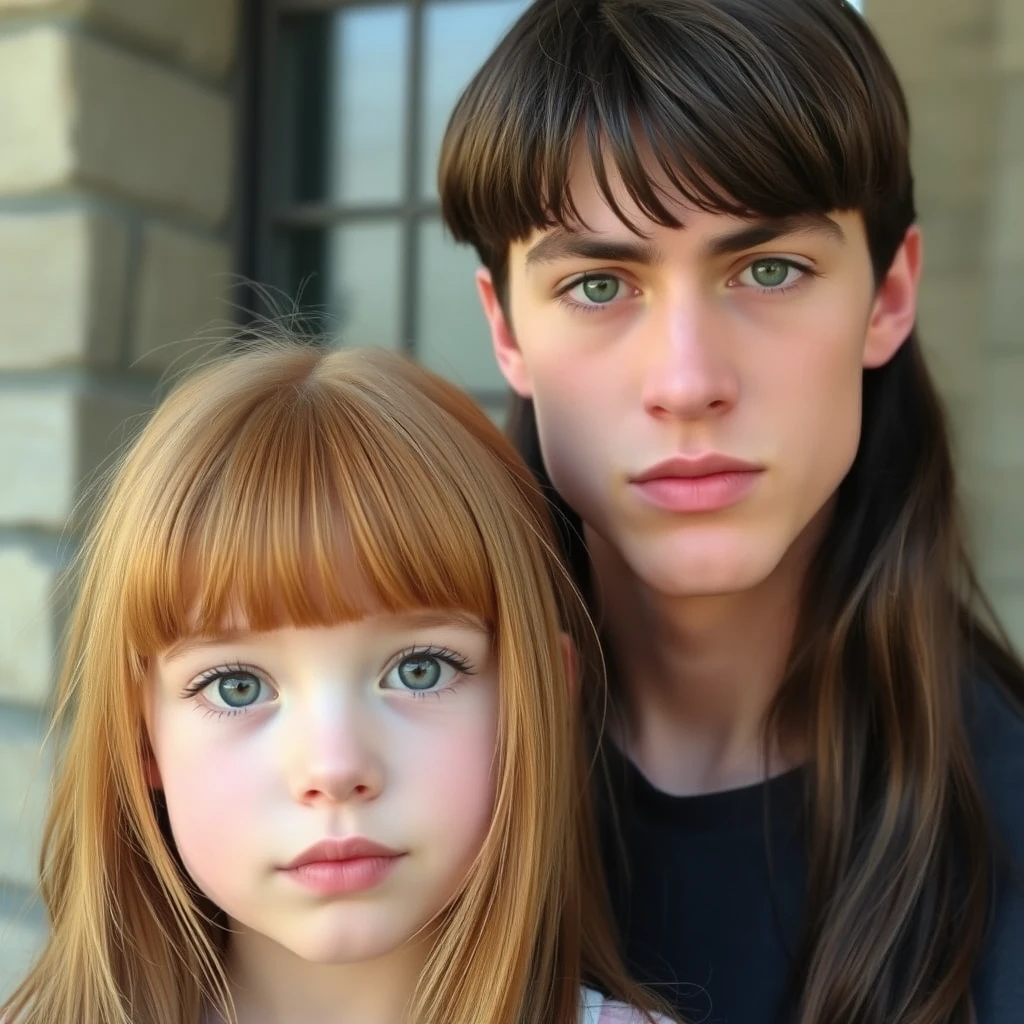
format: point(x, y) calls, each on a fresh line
point(1010, 108)
point(955, 240)
point(1006, 307)
point(1001, 416)
point(36, 115)
point(88, 113)
point(998, 506)
point(1010, 35)
point(151, 135)
point(952, 329)
point(1008, 207)
point(954, 131)
point(28, 633)
point(25, 766)
point(939, 39)
point(200, 33)
point(941, 58)
point(52, 440)
point(63, 288)
point(183, 301)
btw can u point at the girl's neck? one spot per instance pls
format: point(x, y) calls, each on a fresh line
point(270, 985)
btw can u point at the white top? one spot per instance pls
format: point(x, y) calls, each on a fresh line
point(590, 1006)
point(595, 1009)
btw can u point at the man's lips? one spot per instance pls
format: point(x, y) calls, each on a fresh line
point(697, 484)
point(686, 467)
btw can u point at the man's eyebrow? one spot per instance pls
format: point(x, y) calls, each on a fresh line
point(561, 244)
point(765, 230)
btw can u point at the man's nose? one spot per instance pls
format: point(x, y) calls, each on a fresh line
point(688, 372)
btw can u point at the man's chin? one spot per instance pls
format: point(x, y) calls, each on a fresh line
point(707, 573)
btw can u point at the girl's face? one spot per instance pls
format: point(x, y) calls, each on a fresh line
point(329, 788)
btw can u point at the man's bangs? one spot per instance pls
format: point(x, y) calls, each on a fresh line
point(308, 516)
point(742, 109)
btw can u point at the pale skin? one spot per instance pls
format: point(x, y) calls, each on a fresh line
point(384, 728)
point(727, 337)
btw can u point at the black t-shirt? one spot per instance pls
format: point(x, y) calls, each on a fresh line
point(709, 890)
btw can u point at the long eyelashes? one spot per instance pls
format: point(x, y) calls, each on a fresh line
point(563, 294)
point(446, 654)
point(457, 664)
point(195, 689)
point(213, 674)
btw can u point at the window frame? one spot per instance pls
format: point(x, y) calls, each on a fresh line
point(266, 216)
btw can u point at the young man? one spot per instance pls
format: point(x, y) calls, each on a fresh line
point(696, 223)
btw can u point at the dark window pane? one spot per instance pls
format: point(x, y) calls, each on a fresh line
point(349, 275)
point(298, 278)
point(458, 36)
point(342, 111)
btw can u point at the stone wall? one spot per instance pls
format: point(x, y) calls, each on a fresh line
point(117, 144)
point(999, 450)
point(962, 63)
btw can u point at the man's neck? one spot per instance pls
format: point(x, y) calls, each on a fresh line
point(270, 985)
point(698, 674)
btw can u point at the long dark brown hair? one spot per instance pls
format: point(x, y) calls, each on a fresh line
point(778, 107)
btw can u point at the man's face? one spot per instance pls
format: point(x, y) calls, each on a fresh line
point(698, 390)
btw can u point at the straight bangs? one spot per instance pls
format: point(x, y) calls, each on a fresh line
point(293, 499)
point(749, 107)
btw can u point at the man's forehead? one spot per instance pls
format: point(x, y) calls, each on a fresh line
point(591, 202)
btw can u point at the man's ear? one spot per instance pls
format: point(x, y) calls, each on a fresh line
point(506, 348)
point(895, 309)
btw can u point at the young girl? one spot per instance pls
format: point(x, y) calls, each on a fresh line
point(321, 763)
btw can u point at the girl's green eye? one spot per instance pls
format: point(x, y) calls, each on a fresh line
point(238, 690)
point(419, 672)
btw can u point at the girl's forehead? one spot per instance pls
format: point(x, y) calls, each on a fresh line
point(325, 525)
point(253, 586)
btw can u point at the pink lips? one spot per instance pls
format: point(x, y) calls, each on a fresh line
point(342, 866)
point(705, 483)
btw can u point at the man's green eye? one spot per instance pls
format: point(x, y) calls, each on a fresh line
point(770, 273)
point(600, 290)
